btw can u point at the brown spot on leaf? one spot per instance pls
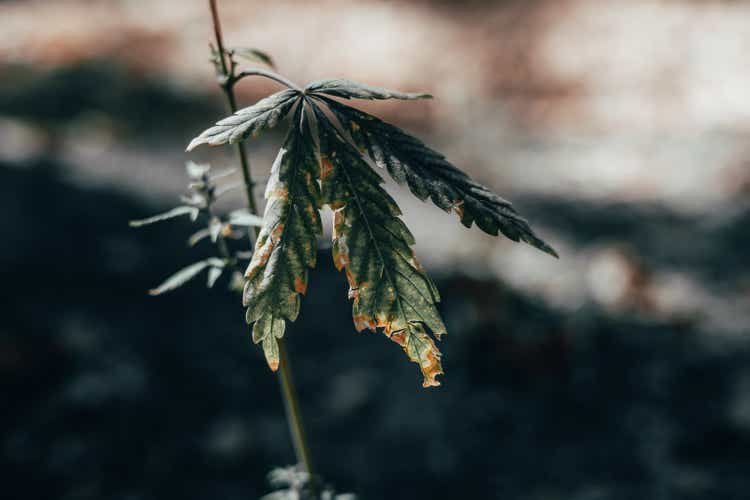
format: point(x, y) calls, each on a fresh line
point(326, 167)
point(362, 321)
point(431, 368)
point(300, 285)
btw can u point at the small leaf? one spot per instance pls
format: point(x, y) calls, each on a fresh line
point(197, 236)
point(250, 121)
point(184, 275)
point(353, 90)
point(197, 170)
point(171, 214)
point(244, 218)
point(213, 275)
point(214, 228)
point(253, 55)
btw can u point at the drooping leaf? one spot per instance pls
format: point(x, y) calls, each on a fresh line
point(249, 121)
point(429, 175)
point(197, 236)
point(214, 228)
point(253, 55)
point(391, 291)
point(286, 245)
point(349, 89)
point(184, 275)
point(213, 274)
point(171, 214)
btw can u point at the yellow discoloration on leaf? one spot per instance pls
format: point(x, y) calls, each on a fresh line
point(281, 192)
point(458, 207)
point(362, 322)
point(415, 263)
point(422, 350)
point(260, 257)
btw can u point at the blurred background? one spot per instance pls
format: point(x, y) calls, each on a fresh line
point(620, 129)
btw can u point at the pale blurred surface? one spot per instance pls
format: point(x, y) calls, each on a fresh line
point(620, 129)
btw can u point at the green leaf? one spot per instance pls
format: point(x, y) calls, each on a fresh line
point(286, 246)
point(429, 175)
point(171, 214)
point(253, 55)
point(371, 243)
point(250, 121)
point(353, 90)
point(184, 275)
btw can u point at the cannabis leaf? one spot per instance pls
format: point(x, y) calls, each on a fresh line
point(390, 290)
point(170, 214)
point(349, 89)
point(252, 55)
point(252, 120)
point(186, 274)
point(286, 246)
point(428, 174)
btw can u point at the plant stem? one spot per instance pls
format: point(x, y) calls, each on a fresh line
point(294, 416)
point(288, 392)
point(228, 88)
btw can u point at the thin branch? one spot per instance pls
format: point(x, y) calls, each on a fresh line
point(268, 74)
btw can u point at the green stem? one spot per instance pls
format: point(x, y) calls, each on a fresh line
point(288, 392)
point(228, 87)
point(291, 405)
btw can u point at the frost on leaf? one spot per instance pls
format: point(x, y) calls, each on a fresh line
point(249, 121)
point(429, 175)
point(286, 245)
point(390, 291)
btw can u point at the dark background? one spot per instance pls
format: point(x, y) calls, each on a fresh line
point(621, 371)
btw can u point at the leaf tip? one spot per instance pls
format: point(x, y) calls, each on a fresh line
point(195, 143)
point(432, 382)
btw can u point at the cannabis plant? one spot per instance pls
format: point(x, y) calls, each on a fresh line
point(334, 155)
point(326, 160)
